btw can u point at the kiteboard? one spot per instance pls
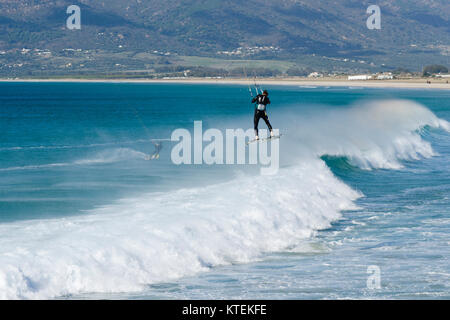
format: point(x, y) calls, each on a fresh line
point(265, 139)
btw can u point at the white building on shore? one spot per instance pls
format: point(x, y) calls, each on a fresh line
point(360, 77)
point(315, 75)
point(385, 76)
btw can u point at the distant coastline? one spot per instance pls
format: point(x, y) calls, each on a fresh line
point(415, 83)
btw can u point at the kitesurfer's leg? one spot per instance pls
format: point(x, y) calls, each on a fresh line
point(255, 121)
point(266, 120)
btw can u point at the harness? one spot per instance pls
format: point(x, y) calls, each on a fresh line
point(261, 103)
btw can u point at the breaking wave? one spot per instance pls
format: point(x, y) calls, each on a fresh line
point(155, 237)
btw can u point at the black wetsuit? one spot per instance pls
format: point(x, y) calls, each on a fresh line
point(158, 147)
point(260, 111)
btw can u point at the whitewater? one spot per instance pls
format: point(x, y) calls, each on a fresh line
point(152, 237)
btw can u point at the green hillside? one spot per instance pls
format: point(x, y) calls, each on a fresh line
point(138, 36)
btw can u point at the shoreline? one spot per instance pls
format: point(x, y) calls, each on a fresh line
point(411, 84)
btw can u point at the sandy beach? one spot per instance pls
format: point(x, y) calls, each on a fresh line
point(419, 83)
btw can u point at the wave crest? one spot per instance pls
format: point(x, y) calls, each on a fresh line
point(371, 134)
point(158, 237)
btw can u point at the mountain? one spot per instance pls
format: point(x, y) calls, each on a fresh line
point(144, 34)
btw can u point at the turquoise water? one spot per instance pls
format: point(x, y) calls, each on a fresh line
point(364, 180)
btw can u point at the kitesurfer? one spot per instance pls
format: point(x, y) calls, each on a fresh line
point(261, 100)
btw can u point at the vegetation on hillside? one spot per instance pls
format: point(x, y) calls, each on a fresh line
point(139, 36)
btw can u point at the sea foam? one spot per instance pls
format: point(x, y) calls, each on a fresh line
point(158, 237)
